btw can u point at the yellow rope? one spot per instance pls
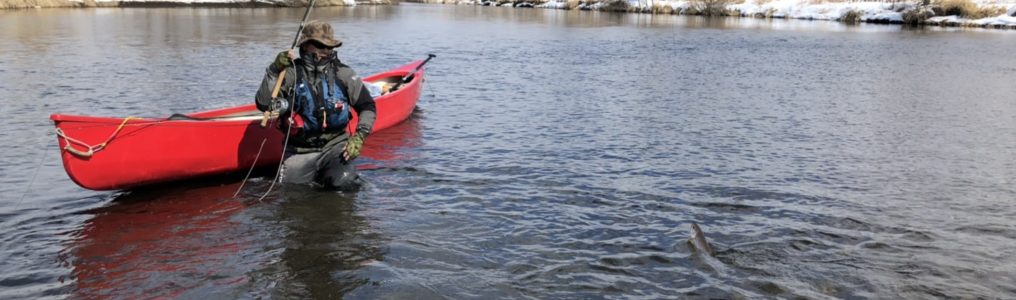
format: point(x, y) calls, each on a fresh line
point(93, 149)
point(117, 131)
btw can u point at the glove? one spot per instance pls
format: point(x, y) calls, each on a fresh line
point(283, 60)
point(353, 146)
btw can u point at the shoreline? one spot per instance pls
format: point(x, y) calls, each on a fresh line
point(37, 4)
point(993, 14)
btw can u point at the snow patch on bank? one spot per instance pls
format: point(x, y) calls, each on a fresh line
point(1005, 21)
point(553, 4)
point(879, 12)
point(798, 9)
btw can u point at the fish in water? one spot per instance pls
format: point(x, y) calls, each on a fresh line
point(698, 240)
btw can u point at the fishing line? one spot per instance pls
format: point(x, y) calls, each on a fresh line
point(38, 166)
point(278, 171)
point(428, 89)
point(292, 101)
point(423, 81)
point(242, 183)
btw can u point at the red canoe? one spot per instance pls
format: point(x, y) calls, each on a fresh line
point(116, 153)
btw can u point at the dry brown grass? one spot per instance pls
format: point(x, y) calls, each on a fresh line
point(917, 16)
point(966, 9)
point(662, 9)
point(851, 17)
point(955, 7)
point(711, 7)
point(987, 12)
point(616, 5)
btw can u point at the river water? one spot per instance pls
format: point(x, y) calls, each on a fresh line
point(555, 154)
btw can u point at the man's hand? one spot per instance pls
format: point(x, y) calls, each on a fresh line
point(284, 59)
point(353, 146)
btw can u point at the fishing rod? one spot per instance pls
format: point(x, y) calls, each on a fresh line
point(306, 15)
point(275, 93)
point(268, 114)
point(282, 75)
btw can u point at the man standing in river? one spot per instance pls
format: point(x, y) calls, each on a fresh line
point(320, 90)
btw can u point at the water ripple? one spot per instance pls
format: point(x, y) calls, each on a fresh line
point(566, 158)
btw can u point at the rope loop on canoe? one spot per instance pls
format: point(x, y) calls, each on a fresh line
point(91, 150)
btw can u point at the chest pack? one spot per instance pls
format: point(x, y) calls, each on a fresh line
point(324, 108)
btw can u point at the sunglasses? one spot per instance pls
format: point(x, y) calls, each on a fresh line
point(318, 49)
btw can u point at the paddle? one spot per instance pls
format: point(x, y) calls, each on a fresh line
point(409, 77)
point(282, 75)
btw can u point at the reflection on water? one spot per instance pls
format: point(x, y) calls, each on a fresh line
point(564, 158)
point(197, 241)
point(161, 243)
point(395, 145)
point(194, 239)
point(326, 243)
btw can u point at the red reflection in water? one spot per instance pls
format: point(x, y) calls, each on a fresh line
point(393, 144)
point(159, 243)
point(165, 242)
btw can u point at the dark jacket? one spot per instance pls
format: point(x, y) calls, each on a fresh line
point(359, 99)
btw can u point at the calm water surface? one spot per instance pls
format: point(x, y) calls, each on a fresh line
point(555, 155)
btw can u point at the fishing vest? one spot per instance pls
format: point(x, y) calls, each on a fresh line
point(324, 110)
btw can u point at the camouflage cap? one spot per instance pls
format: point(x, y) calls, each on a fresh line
point(320, 32)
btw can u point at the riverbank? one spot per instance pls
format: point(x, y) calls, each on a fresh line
point(977, 13)
point(22, 4)
point(1000, 14)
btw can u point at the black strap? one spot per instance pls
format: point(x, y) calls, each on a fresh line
point(178, 116)
point(319, 99)
point(331, 84)
point(315, 91)
point(340, 83)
